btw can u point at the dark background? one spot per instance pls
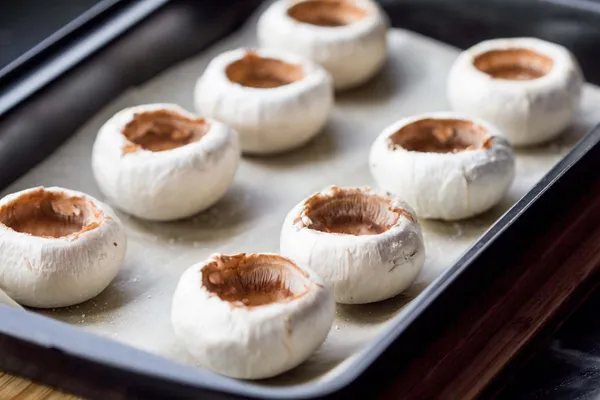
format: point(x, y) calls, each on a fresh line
point(568, 367)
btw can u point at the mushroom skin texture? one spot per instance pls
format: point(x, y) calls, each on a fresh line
point(171, 165)
point(347, 37)
point(367, 246)
point(529, 88)
point(448, 181)
point(277, 101)
point(58, 247)
point(251, 316)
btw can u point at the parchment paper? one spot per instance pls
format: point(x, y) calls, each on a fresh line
point(135, 309)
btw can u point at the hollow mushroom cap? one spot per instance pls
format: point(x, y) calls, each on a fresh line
point(58, 247)
point(277, 101)
point(445, 165)
point(251, 316)
point(348, 38)
point(367, 246)
point(160, 162)
point(529, 88)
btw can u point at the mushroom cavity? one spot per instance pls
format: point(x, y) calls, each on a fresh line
point(263, 72)
point(367, 246)
point(346, 37)
point(446, 165)
point(59, 247)
point(160, 162)
point(513, 64)
point(50, 214)
point(251, 316)
point(328, 13)
point(350, 212)
point(233, 89)
point(161, 130)
point(529, 88)
point(440, 136)
point(254, 280)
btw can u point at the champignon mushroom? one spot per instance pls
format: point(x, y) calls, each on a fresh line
point(367, 246)
point(251, 316)
point(347, 37)
point(529, 88)
point(275, 100)
point(445, 165)
point(160, 162)
point(58, 247)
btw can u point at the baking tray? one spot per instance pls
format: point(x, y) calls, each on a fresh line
point(134, 309)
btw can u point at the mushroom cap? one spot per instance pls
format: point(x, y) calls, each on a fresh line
point(273, 119)
point(261, 337)
point(50, 267)
point(366, 245)
point(352, 52)
point(527, 111)
point(448, 186)
point(164, 185)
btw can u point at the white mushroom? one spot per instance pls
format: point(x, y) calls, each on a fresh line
point(367, 246)
point(251, 316)
point(58, 247)
point(347, 37)
point(160, 162)
point(530, 89)
point(445, 165)
point(275, 100)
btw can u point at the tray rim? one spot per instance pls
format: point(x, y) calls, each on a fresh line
point(73, 341)
point(63, 33)
point(31, 79)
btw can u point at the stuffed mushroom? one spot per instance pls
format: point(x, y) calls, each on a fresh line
point(160, 162)
point(445, 165)
point(276, 101)
point(58, 247)
point(529, 88)
point(251, 316)
point(367, 246)
point(347, 37)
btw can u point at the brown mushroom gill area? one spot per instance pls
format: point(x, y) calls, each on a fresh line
point(350, 212)
point(50, 214)
point(433, 135)
point(162, 130)
point(259, 72)
point(254, 280)
point(327, 13)
point(514, 64)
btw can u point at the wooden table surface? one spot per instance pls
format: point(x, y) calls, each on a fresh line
point(12, 387)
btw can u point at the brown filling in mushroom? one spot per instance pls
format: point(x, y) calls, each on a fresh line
point(331, 13)
point(514, 64)
point(263, 73)
point(441, 136)
point(50, 214)
point(162, 130)
point(350, 212)
point(254, 280)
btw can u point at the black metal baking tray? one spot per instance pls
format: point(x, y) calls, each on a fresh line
point(51, 23)
point(163, 34)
